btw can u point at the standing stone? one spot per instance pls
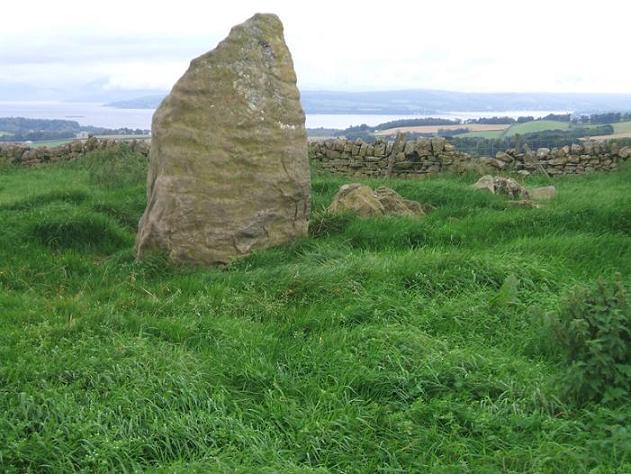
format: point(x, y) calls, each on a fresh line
point(228, 170)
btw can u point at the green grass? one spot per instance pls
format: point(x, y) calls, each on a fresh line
point(521, 128)
point(622, 127)
point(379, 345)
point(535, 126)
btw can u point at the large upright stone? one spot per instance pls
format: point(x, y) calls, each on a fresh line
point(228, 170)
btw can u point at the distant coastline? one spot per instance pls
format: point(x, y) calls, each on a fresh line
point(421, 102)
point(98, 115)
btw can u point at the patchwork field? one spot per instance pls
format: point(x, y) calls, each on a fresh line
point(436, 128)
point(621, 130)
point(485, 130)
point(375, 345)
point(536, 126)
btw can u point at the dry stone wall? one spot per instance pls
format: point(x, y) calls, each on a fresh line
point(575, 159)
point(426, 156)
point(402, 158)
point(29, 156)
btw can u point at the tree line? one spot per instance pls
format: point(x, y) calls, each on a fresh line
point(18, 129)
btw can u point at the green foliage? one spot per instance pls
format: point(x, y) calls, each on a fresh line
point(595, 330)
point(373, 345)
point(115, 168)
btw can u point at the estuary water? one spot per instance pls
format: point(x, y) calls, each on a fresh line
point(99, 115)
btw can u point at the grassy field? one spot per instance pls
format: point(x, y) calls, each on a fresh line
point(620, 130)
point(536, 126)
point(521, 128)
point(539, 126)
point(622, 127)
point(378, 345)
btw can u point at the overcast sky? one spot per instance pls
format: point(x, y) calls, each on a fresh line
point(481, 45)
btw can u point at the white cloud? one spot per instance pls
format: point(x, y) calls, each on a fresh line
point(486, 45)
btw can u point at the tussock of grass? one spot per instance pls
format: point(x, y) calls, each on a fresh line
point(373, 345)
point(90, 232)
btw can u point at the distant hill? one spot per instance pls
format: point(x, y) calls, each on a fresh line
point(423, 101)
point(97, 91)
point(432, 101)
point(145, 102)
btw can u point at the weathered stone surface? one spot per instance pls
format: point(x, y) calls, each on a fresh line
point(502, 156)
point(228, 165)
point(543, 193)
point(356, 198)
point(505, 186)
point(393, 203)
point(363, 201)
point(438, 145)
point(416, 159)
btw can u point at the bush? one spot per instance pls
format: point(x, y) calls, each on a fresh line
point(595, 331)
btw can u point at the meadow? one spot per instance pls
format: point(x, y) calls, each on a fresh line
point(374, 345)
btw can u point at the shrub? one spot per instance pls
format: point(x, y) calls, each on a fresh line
point(595, 331)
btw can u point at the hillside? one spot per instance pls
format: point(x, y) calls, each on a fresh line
point(423, 101)
point(379, 345)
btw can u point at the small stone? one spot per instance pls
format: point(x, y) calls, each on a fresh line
point(499, 185)
point(363, 201)
point(543, 193)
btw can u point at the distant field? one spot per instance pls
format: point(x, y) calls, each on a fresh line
point(621, 127)
point(484, 134)
point(436, 128)
point(521, 128)
point(620, 130)
point(535, 126)
point(487, 130)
